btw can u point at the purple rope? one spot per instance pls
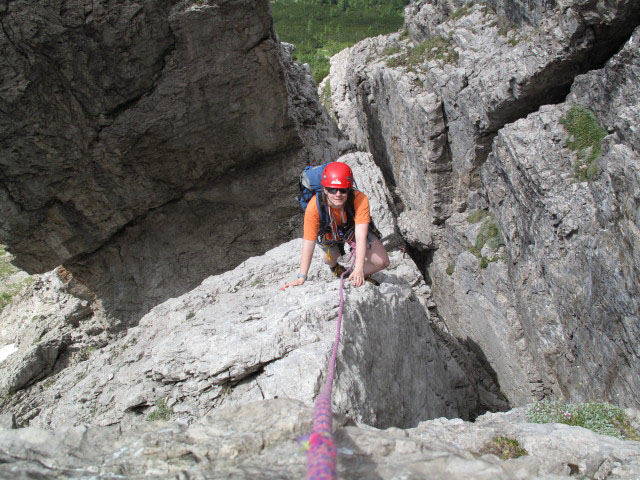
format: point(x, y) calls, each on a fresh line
point(321, 457)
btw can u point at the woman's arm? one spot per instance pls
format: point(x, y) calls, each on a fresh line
point(357, 276)
point(305, 262)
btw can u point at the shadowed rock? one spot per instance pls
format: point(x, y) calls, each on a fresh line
point(139, 139)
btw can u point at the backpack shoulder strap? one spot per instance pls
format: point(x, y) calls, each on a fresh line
point(323, 212)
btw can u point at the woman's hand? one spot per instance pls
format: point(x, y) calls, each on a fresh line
point(357, 277)
point(297, 282)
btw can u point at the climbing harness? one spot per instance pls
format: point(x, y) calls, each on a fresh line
point(322, 453)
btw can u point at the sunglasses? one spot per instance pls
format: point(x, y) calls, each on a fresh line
point(333, 191)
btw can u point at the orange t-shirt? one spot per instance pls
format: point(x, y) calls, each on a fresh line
point(338, 216)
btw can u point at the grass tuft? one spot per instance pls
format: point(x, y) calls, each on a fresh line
point(489, 235)
point(436, 48)
point(505, 448)
point(162, 411)
point(585, 135)
point(478, 216)
point(599, 417)
point(459, 13)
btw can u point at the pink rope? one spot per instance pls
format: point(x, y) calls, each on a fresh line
point(321, 457)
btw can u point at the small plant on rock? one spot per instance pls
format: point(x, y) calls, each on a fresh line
point(161, 412)
point(325, 97)
point(436, 48)
point(505, 448)
point(489, 235)
point(391, 50)
point(478, 216)
point(459, 13)
point(585, 135)
point(450, 269)
point(599, 417)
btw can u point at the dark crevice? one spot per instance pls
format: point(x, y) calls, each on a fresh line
point(422, 258)
point(253, 373)
point(377, 144)
point(267, 37)
point(467, 353)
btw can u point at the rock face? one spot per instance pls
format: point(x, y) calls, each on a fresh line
point(125, 135)
point(237, 338)
point(146, 161)
point(51, 324)
point(526, 260)
point(588, 262)
point(259, 440)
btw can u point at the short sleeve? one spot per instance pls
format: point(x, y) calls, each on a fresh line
point(311, 221)
point(361, 207)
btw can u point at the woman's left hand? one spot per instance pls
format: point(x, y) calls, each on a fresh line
point(357, 277)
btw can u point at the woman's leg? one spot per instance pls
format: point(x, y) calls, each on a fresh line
point(331, 255)
point(376, 258)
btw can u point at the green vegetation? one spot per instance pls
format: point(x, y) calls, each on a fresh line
point(162, 411)
point(460, 12)
point(600, 417)
point(436, 48)
point(489, 235)
point(477, 216)
point(387, 52)
point(450, 269)
point(321, 28)
point(505, 448)
point(585, 135)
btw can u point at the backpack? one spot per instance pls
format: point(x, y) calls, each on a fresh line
point(311, 184)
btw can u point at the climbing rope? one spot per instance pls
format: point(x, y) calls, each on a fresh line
point(322, 453)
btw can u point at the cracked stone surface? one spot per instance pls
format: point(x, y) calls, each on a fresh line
point(261, 440)
point(432, 123)
point(573, 245)
point(237, 338)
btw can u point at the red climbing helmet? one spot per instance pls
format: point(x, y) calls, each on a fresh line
point(337, 175)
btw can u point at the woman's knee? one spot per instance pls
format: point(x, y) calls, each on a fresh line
point(379, 256)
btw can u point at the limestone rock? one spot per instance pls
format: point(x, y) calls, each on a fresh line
point(236, 338)
point(572, 241)
point(429, 112)
point(51, 325)
point(260, 440)
point(480, 68)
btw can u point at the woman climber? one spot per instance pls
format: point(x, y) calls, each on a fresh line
point(344, 217)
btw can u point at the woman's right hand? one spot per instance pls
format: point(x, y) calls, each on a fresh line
point(297, 282)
